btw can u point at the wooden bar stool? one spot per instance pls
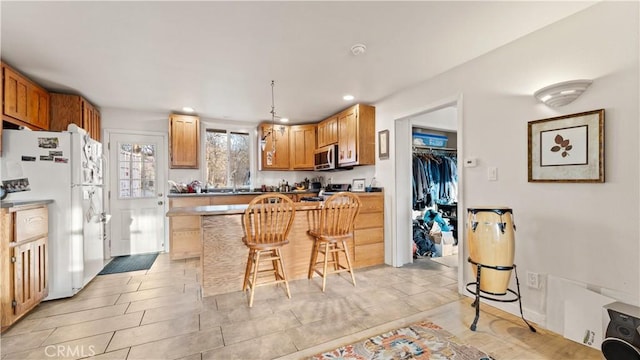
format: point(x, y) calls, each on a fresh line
point(266, 224)
point(330, 233)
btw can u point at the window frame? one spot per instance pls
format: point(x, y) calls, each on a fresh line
point(230, 128)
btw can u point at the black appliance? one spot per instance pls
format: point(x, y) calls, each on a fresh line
point(311, 198)
point(622, 337)
point(337, 188)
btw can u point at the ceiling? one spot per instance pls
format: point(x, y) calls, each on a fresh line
point(220, 57)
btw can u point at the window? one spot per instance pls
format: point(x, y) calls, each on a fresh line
point(137, 171)
point(228, 159)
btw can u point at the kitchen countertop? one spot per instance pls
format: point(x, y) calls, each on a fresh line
point(242, 193)
point(9, 203)
point(229, 209)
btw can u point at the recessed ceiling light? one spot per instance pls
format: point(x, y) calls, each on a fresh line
point(348, 97)
point(358, 49)
point(284, 120)
point(188, 109)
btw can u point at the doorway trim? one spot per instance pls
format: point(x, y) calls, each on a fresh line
point(403, 237)
point(164, 167)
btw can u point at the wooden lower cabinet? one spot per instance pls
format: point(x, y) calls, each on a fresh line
point(23, 259)
point(185, 232)
point(369, 231)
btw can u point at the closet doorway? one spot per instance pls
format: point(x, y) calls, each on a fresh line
point(441, 123)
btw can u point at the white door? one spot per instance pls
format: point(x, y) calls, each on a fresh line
point(136, 199)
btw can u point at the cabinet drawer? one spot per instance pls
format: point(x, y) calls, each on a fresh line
point(185, 222)
point(189, 201)
point(371, 203)
point(31, 223)
point(369, 220)
point(369, 236)
point(369, 255)
point(232, 199)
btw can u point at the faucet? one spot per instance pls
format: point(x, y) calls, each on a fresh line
point(233, 180)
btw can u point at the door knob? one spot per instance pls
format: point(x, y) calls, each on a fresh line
point(160, 203)
point(159, 194)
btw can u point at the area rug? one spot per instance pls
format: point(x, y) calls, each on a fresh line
point(424, 340)
point(128, 263)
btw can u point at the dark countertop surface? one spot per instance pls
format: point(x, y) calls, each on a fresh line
point(15, 203)
point(229, 193)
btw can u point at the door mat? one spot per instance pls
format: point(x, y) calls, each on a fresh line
point(423, 340)
point(128, 263)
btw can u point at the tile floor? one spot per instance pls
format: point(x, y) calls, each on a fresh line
point(159, 314)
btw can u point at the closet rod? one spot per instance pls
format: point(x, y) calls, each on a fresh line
point(432, 148)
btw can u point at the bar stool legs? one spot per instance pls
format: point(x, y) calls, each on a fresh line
point(276, 269)
point(331, 256)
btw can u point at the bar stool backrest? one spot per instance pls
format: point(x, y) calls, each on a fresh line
point(267, 220)
point(338, 214)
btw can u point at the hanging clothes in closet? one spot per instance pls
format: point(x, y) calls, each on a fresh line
point(435, 178)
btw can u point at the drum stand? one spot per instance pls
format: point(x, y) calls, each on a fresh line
point(477, 292)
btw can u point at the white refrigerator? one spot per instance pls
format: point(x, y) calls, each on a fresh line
point(65, 167)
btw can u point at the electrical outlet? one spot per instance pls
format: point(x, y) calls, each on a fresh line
point(533, 280)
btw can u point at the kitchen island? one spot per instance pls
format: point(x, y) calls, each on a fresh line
point(224, 256)
point(185, 231)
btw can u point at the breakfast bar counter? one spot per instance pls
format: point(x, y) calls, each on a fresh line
point(224, 256)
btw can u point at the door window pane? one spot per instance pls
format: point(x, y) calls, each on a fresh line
point(137, 171)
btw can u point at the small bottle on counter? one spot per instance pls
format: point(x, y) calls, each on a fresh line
point(287, 188)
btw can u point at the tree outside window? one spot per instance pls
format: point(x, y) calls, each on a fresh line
point(228, 159)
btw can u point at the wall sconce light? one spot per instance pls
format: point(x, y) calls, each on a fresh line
point(562, 93)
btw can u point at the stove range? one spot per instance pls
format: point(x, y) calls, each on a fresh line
point(312, 198)
point(337, 188)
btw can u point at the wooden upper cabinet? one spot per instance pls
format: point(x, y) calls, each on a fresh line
point(74, 109)
point(24, 102)
point(15, 95)
point(356, 136)
point(91, 120)
point(280, 159)
point(328, 131)
point(38, 110)
point(184, 136)
point(302, 146)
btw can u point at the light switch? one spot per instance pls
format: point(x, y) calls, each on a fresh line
point(492, 173)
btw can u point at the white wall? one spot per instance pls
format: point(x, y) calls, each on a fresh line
point(583, 232)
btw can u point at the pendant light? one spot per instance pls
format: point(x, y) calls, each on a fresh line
point(263, 141)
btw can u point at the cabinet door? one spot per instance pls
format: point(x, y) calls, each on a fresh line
point(184, 133)
point(280, 159)
point(38, 110)
point(40, 261)
point(328, 131)
point(302, 147)
point(23, 278)
point(95, 124)
point(347, 136)
point(16, 88)
point(91, 120)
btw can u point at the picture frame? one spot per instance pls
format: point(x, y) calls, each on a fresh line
point(358, 185)
point(383, 144)
point(567, 148)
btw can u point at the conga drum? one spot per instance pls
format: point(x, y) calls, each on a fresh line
point(490, 234)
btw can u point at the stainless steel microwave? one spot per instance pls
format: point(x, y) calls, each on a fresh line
point(326, 158)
